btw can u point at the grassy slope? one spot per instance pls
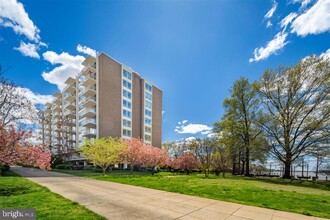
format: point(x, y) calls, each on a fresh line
point(18, 192)
point(301, 197)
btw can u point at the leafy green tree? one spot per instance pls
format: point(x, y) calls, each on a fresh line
point(104, 152)
point(296, 108)
point(203, 149)
point(239, 121)
point(231, 140)
point(219, 159)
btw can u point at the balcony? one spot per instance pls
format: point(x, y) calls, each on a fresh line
point(45, 122)
point(70, 97)
point(71, 123)
point(70, 89)
point(88, 70)
point(89, 102)
point(70, 105)
point(48, 110)
point(57, 115)
point(90, 80)
point(70, 114)
point(57, 130)
point(89, 91)
point(57, 101)
point(58, 95)
point(70, 81)
point(89, 134)
point(89, 60)
point(89, 123)
point(71, 141)
point(57, 109)
point(89, 113)
point(72, 131)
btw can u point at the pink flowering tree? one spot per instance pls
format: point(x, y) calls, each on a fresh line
point(12, 152)
point(143, 155)
point(186, 162)
point(34, 156)
point(9, 142)
point(134, 152)
point(153, 157)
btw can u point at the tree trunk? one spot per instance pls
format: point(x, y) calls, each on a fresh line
point(247, 162)
point(239, 163)
point(131, 169)
point(243, 167)
point(104, 169)
point(287, 167)
point(234, 167)
point(317, 168)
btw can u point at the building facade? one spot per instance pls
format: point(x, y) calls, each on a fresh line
point(105, 99)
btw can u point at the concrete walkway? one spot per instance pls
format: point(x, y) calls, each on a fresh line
point(120, 201)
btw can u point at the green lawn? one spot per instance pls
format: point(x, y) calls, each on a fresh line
point(18, 192)
point(295, 196)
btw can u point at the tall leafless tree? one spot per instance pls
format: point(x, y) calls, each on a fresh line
point(297, 110)
point(14, 105)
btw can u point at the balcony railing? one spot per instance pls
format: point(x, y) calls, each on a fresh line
point(88, 102)
point(89, 91)
point(89, 122)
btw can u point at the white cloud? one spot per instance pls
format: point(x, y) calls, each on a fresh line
point(272, 47)
point(35, 98)
point(13, 15)
point(28, 49)
point(206, 132)
point(86, 50)
point(269, 24)
point(182, 128)
point(213, 135)
point(190, 139)
point(271, 11)
point(315, 20)
point(182, 122)
point(306, 20)
point(69, 66)
point(287, 20)
point(303, 3)
point(326, 54)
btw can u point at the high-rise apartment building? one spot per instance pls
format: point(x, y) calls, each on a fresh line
point(105, 99)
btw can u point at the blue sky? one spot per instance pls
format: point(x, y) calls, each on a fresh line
point(192, 50)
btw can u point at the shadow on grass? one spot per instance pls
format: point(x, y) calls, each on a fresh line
point(318, 184)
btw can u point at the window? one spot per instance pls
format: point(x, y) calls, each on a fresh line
point(127, 104)
point(127, 123)
point(147, 129)
point(127, 113)
point(148, 87)
point(127, 74)
point(127, 133)
point(127, 84)
point(148, 104)
point(147, 112)
point(147, 121)
point(127, 94)
point(148, 95)
point(147, 137)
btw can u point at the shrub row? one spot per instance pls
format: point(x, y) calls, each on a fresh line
point(4, 168)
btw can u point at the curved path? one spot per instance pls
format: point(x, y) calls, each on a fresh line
point(120, 201)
